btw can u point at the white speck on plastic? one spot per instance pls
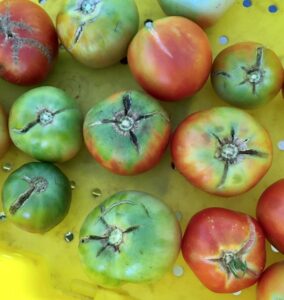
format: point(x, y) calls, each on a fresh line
point(274, 249)
point(178, 215)
point(281, 145)
point(178, 271)
point(237, 293)
point(223, 40)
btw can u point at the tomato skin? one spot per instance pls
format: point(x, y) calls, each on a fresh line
point(270, 211)
point(114, 148)
point(199, 151)
point(4, 133)
point(35, 38)
point(148, 247)
point(205, 13)
point(105, 32)
point(270, 285)
point(45, 206)
point(247, 75)
point(212, 232)
point(170, 58)
point(46, 123)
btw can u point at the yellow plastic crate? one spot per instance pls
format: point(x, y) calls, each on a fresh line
point(38, 267)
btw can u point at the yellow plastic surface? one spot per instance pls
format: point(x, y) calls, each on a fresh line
point(45, 266)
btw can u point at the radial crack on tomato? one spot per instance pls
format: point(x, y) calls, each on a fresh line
point(254, 74)
point(7, 27)
point(44, 117)
point(222, 73)
point(36, 185)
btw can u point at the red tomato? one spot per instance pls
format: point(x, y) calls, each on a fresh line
point(270, 212)
point(170, 58)
point(225, 249)
point(270, 285)
point(29, 43)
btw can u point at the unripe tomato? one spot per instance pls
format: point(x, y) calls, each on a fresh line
point(97, 32)
point(170, 58)
point(46, 123)
point(270, 212)
point(36, 197)
point(225, 249)
point(29, 43)
point(205, 13)
point(4, 133)
point(270, 285)
point(127, 133)
point(222, 151)
point(247, 75)
point(129, 237)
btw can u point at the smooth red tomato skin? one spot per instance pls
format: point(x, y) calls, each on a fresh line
point(172, 59)
point(28, 55)
point(213, 231)
point(270, 212)
point(270, 285)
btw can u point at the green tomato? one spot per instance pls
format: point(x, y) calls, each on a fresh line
point(247, 75)
point(46, 123)
point(97, 32)
point(127, 133)
point(130, 237)
point(36, 197)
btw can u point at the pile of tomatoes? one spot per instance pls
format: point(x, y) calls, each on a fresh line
point(133, 236)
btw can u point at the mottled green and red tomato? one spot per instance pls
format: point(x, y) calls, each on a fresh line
point(270, 212)
point(36, 197)
point(270, 285)
point(29, 42)
point(130, 237)
point(46, 123)
point(205, 13)
point(222, 151)
point(225, 249)
point(170, 58)
point(127, 133)
point(97, 32)
point(247, 75)
point(4, 133)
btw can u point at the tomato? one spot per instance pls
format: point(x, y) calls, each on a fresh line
point(270, 285)
point(270, 210)
point(97, 32)
point(29, 45)
point(46, 123)
point(205, 13)
point(247, 75)
point(225, 249)
point(36, 197)
point(130, 237)
point(4, 133)
point(127, 133)
point(170, 58)
point(222, 151)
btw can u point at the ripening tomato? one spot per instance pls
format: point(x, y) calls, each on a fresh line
point(170, 58)
point(127, 133)
point(130, 237)
point(225, 249)
point(270, 285)
point(46, 123)
point(36, 197)
point(222, 151)
point(205, 13)
point(270, 212)
point(29, 43)
point(97, 32)
point(247, 75)
point(4, 133)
